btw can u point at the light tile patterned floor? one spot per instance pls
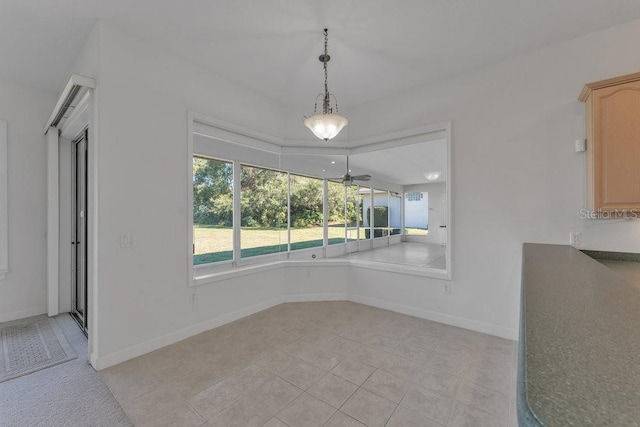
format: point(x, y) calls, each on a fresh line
point(323, 364)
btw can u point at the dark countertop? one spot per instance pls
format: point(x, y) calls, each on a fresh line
point(579, 361)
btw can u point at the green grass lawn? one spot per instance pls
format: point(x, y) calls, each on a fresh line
point(214, 244)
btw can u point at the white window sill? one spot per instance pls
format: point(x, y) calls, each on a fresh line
point(210, 278)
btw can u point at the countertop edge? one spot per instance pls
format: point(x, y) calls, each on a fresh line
point(579, 347)
point(526, 416)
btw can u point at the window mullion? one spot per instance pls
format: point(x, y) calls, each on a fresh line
point(371, 214)
point(325, 212)
point(237, 216)
point(288, 213)
point(388, 213)
point(346, 223)
point(402, 212)
point(358, 210)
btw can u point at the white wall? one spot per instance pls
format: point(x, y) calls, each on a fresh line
point(23, 292)
point(324, 282)
point(416, 212)
point(516, 177)
point(435, 202)
point(144, 96)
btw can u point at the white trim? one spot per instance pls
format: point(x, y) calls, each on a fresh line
point(217, 276)
point(87, 112)
point(401, 139)
point(447, 189)
point(232, 274)
point(4, 194)
point(240, 135)
point(190, 125)
point(462, 322)
point(329, 151)
point(168, 339)
point(74, 80)
point(93, 235)
point(128, 353)
point(53, 222)
point(21, 314)
point(78, 119)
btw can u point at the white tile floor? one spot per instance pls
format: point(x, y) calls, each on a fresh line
point(323, 364)
point(427, 255)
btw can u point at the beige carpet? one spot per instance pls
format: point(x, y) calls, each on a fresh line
point(67, 394)
point(29, 345)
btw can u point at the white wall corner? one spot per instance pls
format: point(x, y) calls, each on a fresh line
point(21, 314)
point(4, 212)
point(53, 222)
point(474, 325)
point(103, 362)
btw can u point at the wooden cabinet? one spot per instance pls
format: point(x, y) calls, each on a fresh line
point(613, 145)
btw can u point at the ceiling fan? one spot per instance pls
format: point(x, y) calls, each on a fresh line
point(347, 178)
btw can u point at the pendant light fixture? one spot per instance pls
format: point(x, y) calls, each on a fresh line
point(328, 124)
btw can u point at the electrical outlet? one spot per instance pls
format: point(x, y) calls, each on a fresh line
point(308, 274)
point(446, 288)
point(575, 239)
point(194, 298)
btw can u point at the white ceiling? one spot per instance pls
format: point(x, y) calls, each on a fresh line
point(271, 46)
point(405, 165)
point(377, 47)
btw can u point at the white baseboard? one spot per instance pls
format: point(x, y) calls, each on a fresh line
point(474, 325)
point(159, 342)
point(21, 314)
point(315, 297)
point(172, 338)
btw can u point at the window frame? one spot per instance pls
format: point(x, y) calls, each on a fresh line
point(240, 137)
point(233, 239)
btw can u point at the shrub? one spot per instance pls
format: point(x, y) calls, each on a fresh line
point(380, 216)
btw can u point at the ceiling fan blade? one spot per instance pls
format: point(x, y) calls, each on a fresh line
point(361, 177)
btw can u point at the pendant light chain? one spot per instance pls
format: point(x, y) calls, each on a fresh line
point(328, 124)
point(325, 106)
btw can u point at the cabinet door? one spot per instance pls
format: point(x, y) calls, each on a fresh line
point(616, 144)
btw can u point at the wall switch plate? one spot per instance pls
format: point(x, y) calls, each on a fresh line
point(575, 239)
point(127, 241)
point(581, 145)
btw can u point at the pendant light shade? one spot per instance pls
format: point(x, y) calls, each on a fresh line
point(328, 124)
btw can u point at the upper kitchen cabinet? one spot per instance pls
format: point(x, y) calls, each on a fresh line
point(613, 145)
